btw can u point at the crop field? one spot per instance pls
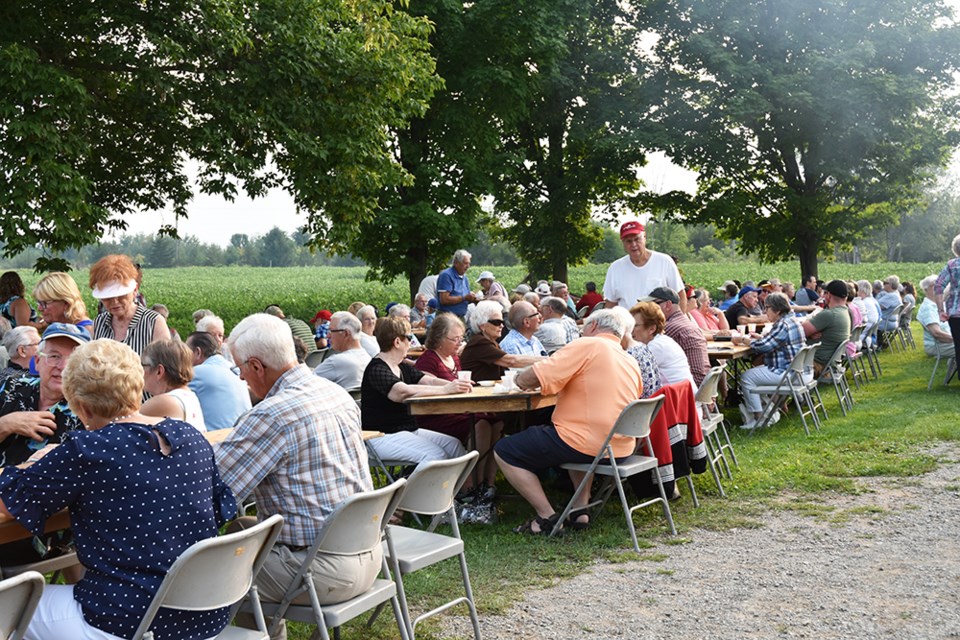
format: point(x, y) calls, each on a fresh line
point(235, 292)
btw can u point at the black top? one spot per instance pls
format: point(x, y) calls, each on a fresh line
point(377, 411)
point(23, 394)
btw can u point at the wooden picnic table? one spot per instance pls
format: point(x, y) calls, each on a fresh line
point(480, 400)
point(727, 351)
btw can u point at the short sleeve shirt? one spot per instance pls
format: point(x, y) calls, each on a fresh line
point(456, 285)
point(380, 413)
point(480, 356)
point(514, 343)
point(23, 394)
point(834, 325)
point(626, 283)
point(649, 369)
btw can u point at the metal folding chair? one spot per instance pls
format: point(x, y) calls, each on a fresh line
point(18, 600)
point(855, 363)
point(634, 422)
point(888, 336)
point(791, 386)
point(711, 424)
point(835, 373)
point(214, 573)
point(951, 368)
point(871, 349)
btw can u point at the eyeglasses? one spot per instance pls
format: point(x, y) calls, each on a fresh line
point(43, 304)
point(409, 337)
point(32, 344)
point(456, 340)
point(534, 315)
point(495, 322)
point(338, 330)
point(53, 359)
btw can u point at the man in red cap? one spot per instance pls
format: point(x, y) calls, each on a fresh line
point(321, 328)
point(639, 272)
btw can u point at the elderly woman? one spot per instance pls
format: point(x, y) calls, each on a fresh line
point(949, 309)
point(889, 299)
point(59, 300)
point(441, 360)
point(114, 282)
point(710, 319)
point(121, 479)
point(13, 306)
point(167, 369)
point(870, 307)
point(389, 380)
point(649, 369)
point(483, 355)
point(937, 338)
point(779, 346)
point(650, 322)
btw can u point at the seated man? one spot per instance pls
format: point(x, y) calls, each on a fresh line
point(889, 299)
point(418, 313)
point(214, 326)
point(321, 329)
point(522, 341)
point(403, 311)
point(683, 331)
point(830, 327)
point(730, 295)
point(590, 299)
point(746, 309)
point(937, 338)
point(557, 329)
point(300, 453)
point(560, 290)
point(345, 366)
point(223, 395)
point(21, 344)
point(298, 327)
point(595, 379)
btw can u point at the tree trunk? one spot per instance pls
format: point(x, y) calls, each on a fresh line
point(807, 250)
point(417, 270)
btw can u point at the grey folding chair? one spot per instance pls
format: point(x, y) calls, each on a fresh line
point(870, 350)
point(791, 387)
point(904, 334)
point(835, 374)
point(315, 357)
point(18, 600)
point(214, 573)
point(430, 491)
point(598, 306)
point(855, 363)
point(634, 422)
point(951, 368)
point(888, 336)
point(712, 425)
point(355, 526)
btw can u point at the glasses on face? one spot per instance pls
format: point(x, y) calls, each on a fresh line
point(409, 337)
point(454, 339)
point(53, 359)
point(495, 322)
point(338, 330)
point(534, 315)
point(43, 304)
point(32, 344)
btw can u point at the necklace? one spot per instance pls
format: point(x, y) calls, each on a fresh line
point(122, 418)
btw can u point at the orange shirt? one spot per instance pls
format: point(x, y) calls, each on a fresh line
point(595, 379)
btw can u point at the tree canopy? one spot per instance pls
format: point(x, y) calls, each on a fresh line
point(102, 104)
point(810, 123)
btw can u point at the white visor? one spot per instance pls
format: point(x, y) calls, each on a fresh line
point(114, 289)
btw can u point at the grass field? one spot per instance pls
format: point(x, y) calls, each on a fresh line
point(234, 292)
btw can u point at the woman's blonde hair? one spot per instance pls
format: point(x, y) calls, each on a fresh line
point(105, 377)
point(649, 314)
point(60, 286)
point(176, 358)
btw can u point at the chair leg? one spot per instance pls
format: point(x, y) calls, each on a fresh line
point(712, 459)
point(933, 374)
point(693, 491)
point(729, 444)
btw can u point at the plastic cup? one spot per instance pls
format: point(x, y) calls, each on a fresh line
point(465, 375)
point(742, 329)
point(507, 380)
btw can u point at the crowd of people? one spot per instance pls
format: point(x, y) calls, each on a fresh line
point(97, 414)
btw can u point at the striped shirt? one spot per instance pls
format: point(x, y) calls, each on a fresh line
point(781, 344)
point(139, 333)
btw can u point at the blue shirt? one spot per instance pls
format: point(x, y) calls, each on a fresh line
point(456, 285)
point(515, 343)
point(133, 511)
point(223, 395)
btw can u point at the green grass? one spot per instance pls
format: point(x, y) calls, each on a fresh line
point(895, 424)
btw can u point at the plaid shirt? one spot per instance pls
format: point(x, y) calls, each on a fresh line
point(300, 453)
point(688, 335)
point(781, 344)
point(950, 275)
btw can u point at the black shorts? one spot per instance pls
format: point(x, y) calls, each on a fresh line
point(537, 448)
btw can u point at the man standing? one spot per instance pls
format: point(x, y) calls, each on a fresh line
point(453, 288)
point(33, 412)
point(300, 453)
point(595, 379)
point(683, 331)
point(223, 396)
point(345, 366)
point(521, 341)
point(831, 326)
point(639, 272)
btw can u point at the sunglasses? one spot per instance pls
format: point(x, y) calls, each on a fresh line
point(495, 322)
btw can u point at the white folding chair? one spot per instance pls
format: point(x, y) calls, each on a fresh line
point(355, 526)
point(47, 565)
point(888, 336)
point(903, 327)
point(214, 573)
point(18, 600)
point(791, 386)
point(951, 367)
point(634, 422)
point(315, 357)
point(712, 425)
point(430, 491)
point(871, 350)
point(855, 362)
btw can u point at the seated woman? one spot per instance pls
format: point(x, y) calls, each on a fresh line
point(779, 346)
point(440, 360)
point(649, 369)
point(710, 319)
point(59, 300)
point(483, 355)
point(121, 480)
point(387, 381)
point(167, 369)
point(674, 366)
point(13, 305)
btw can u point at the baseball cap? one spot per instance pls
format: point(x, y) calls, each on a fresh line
point(837, 288)
point(630, 228)
point(748, 289)
point(114, 289)
point(323, 314)
point(522, 289)
point(64, 330)
point(433, 303)
point(765, 284)
point(727, 283)
point(485, 275)
point(662, 294)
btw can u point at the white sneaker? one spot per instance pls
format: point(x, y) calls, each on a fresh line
point(744, 413)
point(775, 418)
point(749, 425)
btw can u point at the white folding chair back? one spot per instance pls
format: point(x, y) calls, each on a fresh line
point(215, 573)
point(18, 600)
point(47, 565)
point(855, 362)
point(598, 306)
point(712, 425)
point(791, 386)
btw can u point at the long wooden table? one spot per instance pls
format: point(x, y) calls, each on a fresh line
point(480, 400)
point(726, 351)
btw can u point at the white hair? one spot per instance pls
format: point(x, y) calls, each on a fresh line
point(348, 322)
point(484, 310)
point(629, 322)
point(367, 310)
point(864, 286)
point(399, 309)
point(928, 282)
point(460, 255)
point(264, 337)
point(955, 245)
point(209, 322)
point(20, 337)
point(606, 321)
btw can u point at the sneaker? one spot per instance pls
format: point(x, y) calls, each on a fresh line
point(775, 418)
point(745, 413)
point(486, 494)
point(749, 425)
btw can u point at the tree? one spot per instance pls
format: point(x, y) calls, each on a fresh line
point(572, 88)
point(810, 123)
point(162, 252)
point(277, 249)
point(100, 106)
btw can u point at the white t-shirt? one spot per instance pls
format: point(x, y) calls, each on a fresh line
point(191, 407)
point(626, 283)
point(674, 366)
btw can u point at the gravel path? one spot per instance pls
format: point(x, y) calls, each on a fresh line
point(881, 564)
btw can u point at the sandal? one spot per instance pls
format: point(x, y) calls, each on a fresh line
point(573, 520)
point(545, 526)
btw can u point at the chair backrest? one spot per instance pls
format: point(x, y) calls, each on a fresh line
point(837, 356)
point(433, 485)
point(598, 306)
point(357, 524)
point(804, 358)
point(707, 390)
point(636, 417)
point(857, 333)
point(315, 357)
point(893, 312)
point(215, 572)
point(18, 600)
point(582, 312)
point(356, 394)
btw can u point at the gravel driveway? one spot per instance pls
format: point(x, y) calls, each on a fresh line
point(881, 564)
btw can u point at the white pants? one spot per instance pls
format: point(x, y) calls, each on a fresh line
point(760, 376)
point(417, 446)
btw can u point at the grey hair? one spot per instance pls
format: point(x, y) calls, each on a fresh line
point(557, 285)
point(208, 322)
point(399, 310)
point(779, 303)
point(348, 322)
point(864, 286)
point(629, 322)
point(201, 313)
point(558, 305)
point(264, 337)
point(421, 296)
point(484, 310)
point(929, 281)
point(606, 321)
point(460, 255)
point(4, 326)
point(367, 310)
point(532, 297)
point(955, 245)
point(19, 337)
point(893, 281)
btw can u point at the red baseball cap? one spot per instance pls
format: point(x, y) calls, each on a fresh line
point(323, 314)
point(631, 228)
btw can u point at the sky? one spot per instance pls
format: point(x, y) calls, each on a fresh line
point(213, 220)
